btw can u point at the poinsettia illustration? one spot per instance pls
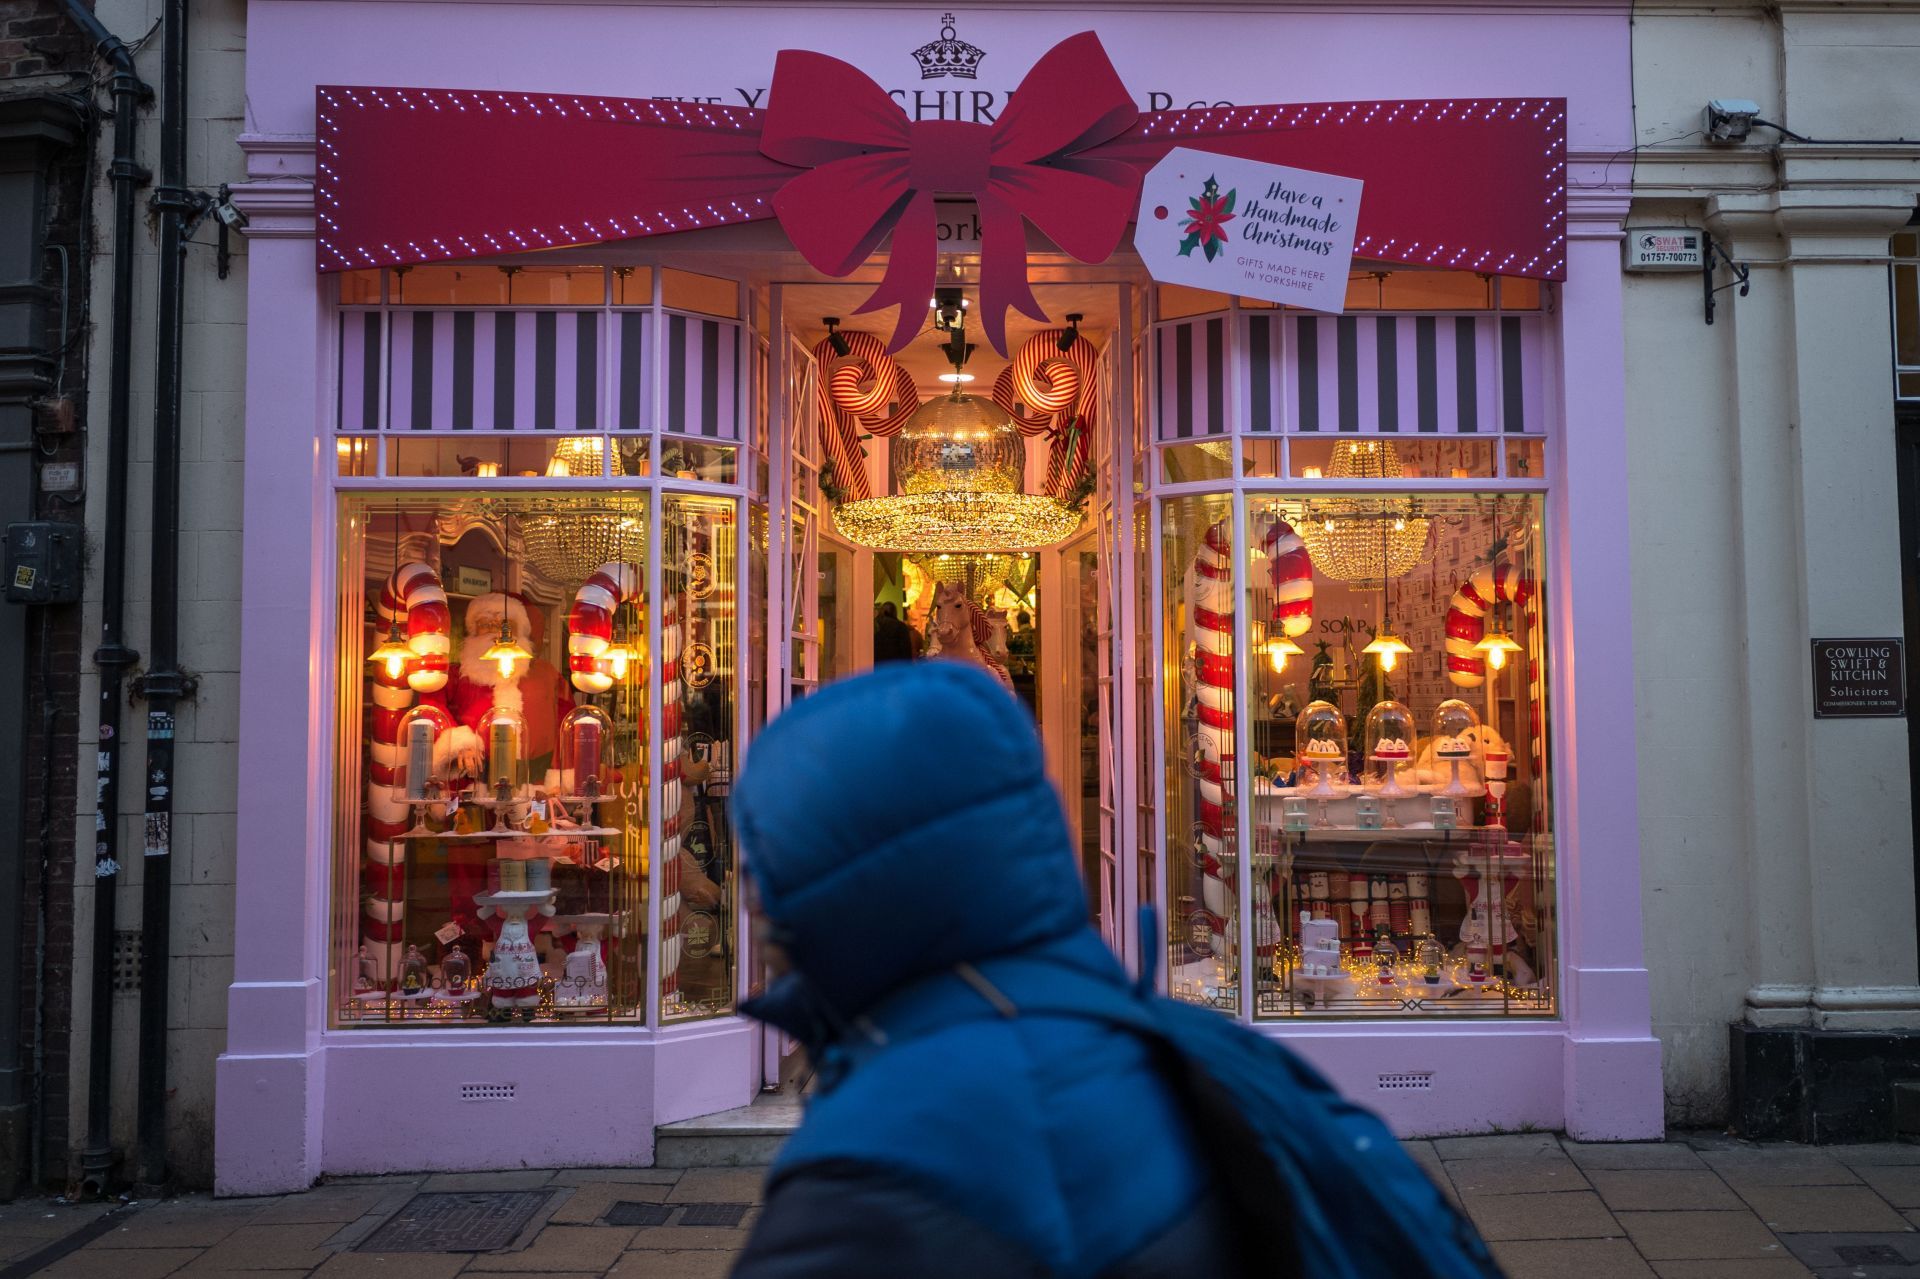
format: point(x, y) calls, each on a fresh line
point(1207, 216)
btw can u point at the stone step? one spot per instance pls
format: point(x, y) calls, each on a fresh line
point(733, 1138)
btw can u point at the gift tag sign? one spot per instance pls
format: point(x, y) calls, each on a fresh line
point(1256, 230)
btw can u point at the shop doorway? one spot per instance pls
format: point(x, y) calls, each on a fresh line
point(1043, 611)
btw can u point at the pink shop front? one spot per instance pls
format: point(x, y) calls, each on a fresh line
point(593, 418)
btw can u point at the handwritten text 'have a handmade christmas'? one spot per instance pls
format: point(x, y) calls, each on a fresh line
point(1256, 230)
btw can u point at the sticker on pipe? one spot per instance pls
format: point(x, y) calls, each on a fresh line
point(1255, 230)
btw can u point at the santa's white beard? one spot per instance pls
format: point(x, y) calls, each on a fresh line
point(476, 669)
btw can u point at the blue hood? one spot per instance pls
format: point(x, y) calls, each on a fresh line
point(901, 822)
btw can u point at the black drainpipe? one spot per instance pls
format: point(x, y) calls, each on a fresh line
point(165, 684)
point(113, 657)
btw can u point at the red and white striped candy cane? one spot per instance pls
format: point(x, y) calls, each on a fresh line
point(589, 634)
point(1290, 573)
point(1466, 617)
point(1210, 606)
point(412, 596)
point(671, 795)
point(590, 623)
point(864, 390)
point(1466, 626)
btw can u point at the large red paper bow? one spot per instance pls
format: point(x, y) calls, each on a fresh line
point(432, 175)
point(871, 171)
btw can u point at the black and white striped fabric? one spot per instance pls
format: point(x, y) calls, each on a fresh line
point(1192, 358)
point(455, 370)
point(701, 364)
point(361, 354)
point(494, 370)
point(1364, 373)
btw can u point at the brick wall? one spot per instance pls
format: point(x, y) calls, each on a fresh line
point(42, 55)
point(36, 38)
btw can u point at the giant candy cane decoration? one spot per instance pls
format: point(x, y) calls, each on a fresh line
point(1210, 606)
point(1466, 626)
point(863, 390)
point(589, 634)
point(1466, 617)
point(414, 597)
point(1053, 393)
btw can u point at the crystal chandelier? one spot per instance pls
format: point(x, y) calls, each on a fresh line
point(1365, 539)
point(980, 575)
point(580, 456)
point(566, 538)
point(957, 465)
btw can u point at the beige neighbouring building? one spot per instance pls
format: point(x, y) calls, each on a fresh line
point(1777, 849)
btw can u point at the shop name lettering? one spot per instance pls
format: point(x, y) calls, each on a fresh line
point(979, 106)
point(1869, 664)
point(1284, 218)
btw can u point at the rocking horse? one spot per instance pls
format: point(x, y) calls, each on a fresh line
point(958, 630)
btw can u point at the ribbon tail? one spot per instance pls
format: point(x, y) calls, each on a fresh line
point(912, 263)
point(1003, 269)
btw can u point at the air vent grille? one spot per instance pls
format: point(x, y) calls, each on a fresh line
point(1407, 1081)
point(487, 1092)
point(128, 949)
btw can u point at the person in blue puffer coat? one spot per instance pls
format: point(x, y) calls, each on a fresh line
point(898, 828)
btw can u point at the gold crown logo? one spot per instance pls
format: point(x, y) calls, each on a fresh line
point(947, 56)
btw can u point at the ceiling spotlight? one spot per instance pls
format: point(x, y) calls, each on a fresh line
point(956, 377)
point(835, 338)
point(949, 307)
point(1072, 334)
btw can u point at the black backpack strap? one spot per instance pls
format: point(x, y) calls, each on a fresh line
point(1243, 1171)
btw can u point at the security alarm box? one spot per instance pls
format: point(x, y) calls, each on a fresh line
point(1666, 249)
point(43, 563)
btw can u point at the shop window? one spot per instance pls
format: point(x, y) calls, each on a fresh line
point(1198, 586)
point(357, 455)
point(704, 294)
point(1395, 776)
point(1526, 459)
point(632, 285)
point(700, 646)
point(1210, 460)
point(492, 818)
point(512, 455)
point(485, 284)
point(359, 288)
point(1454, 458)
point(686, 460)
point(1906, 315)
point(1435, 291)
point(1260, 457)
point(1520, 294)
point(1177, 300)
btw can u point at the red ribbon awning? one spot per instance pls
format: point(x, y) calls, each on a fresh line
point(427, 175)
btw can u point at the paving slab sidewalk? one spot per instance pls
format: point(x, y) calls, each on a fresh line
point(1695, 1207)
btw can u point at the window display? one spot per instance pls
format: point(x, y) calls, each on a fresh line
point(494, 817)
point(1397, 779)
point(700, 656)
point(1198, 590)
